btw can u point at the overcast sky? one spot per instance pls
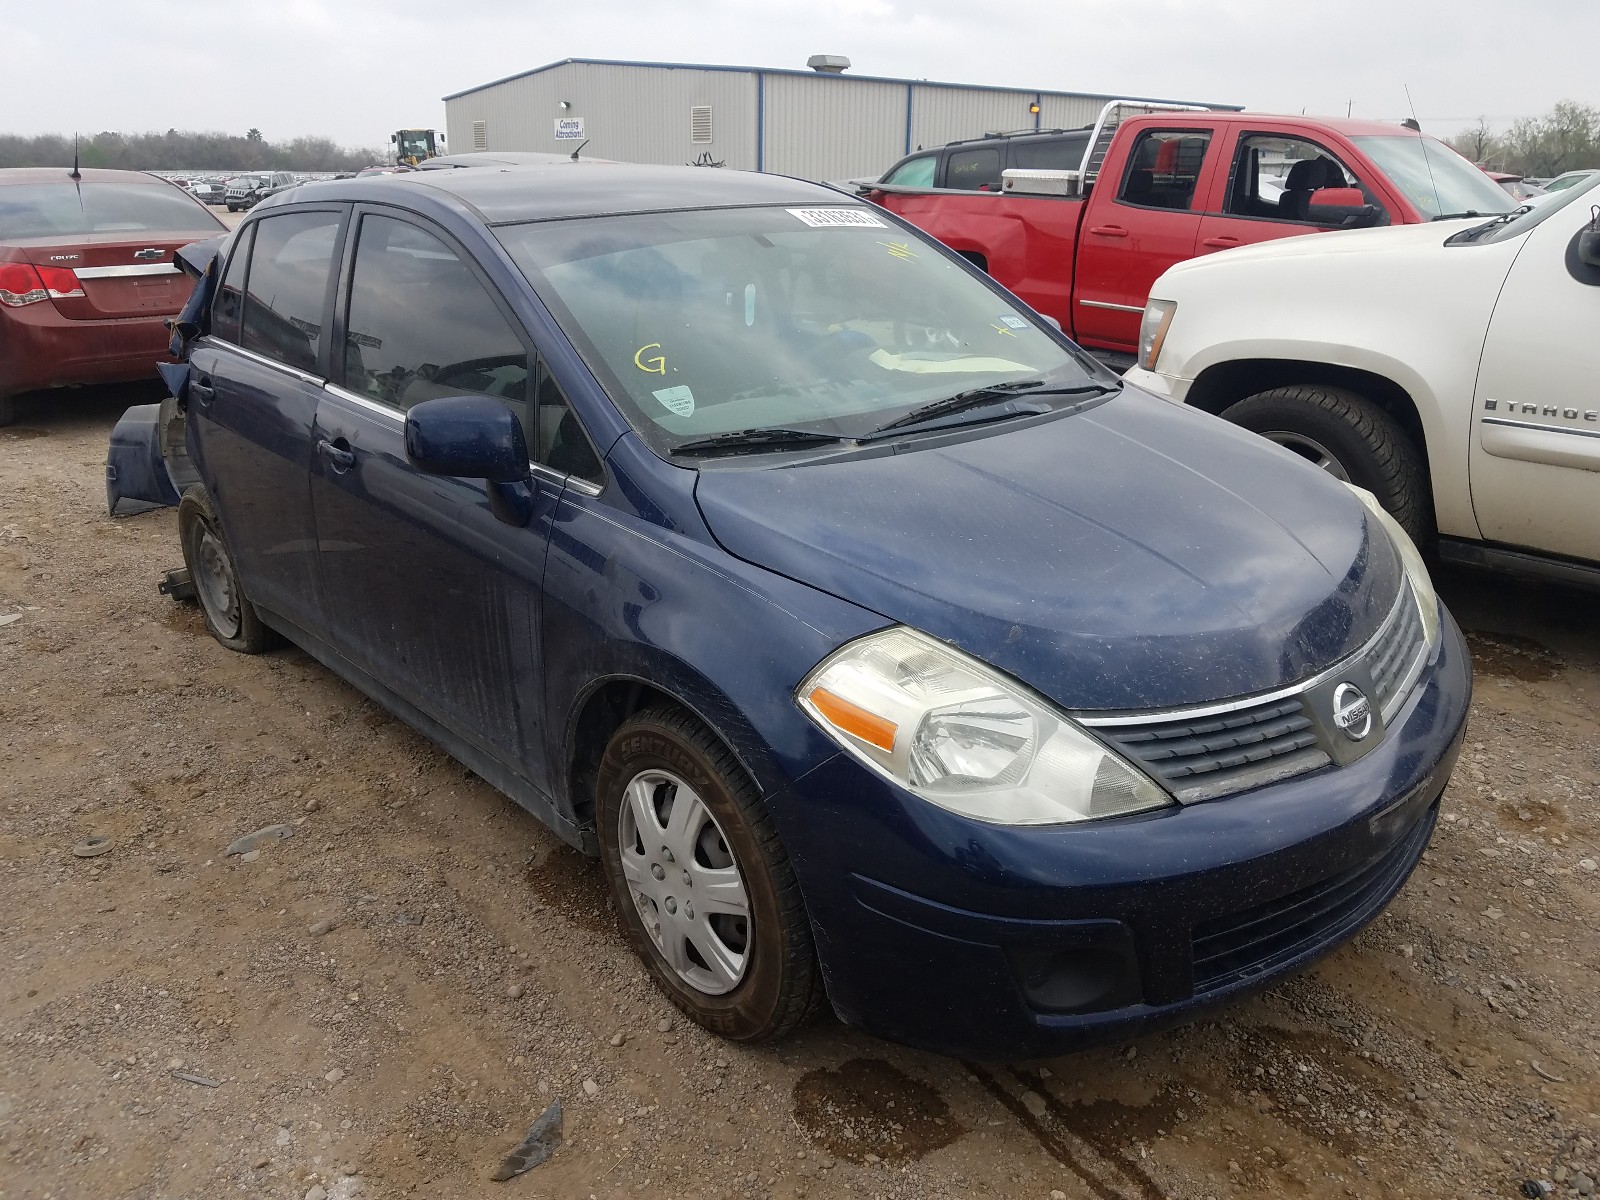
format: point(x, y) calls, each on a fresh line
point(355, 70)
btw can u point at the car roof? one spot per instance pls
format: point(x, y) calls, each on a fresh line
point(501, 158)
point(86, 175)
point(513, 194)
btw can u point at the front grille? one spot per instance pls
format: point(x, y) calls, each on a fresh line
point(1214, 750)
point(1209, 755)
point(1395, 653)
point(1243, 944)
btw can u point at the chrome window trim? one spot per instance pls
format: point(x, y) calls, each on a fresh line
point(1093, 719)
point(125, 271)
point(1128, 308)
point(365, 402)
point(215, 342)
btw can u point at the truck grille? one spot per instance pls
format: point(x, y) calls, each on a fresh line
point(1239, 945)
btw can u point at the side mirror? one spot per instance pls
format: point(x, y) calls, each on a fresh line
point(1589, 247)
point(474, 437)
point(469, 437)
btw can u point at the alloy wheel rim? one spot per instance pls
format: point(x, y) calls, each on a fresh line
point(685, 882)
point(1313, 451)
point(214, 580)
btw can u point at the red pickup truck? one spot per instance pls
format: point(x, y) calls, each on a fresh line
point(1155, 186)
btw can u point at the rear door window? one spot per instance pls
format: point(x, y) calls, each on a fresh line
point(228, 306)
point(422, 325)
point(1164, 168)
point(974, 169)
point(1054, 154)
point(288, 286)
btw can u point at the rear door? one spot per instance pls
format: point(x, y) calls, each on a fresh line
point(1535, 466)
point(427, 590)
point(1143, 216)
point(254, 383)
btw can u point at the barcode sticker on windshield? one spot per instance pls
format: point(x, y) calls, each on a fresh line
point(838, 218)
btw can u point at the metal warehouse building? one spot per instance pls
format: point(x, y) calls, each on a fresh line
point(818, 124)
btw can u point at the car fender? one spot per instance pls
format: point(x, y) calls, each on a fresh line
point(137, 479)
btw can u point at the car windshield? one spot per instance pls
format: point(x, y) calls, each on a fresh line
point(1562, 182)
point(66, 209)
point(1515, 224)
point(1437, 180)
point(829, 321)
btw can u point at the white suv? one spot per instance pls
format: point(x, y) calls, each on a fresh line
point(1452, 369)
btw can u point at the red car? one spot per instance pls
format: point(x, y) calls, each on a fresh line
point(86, 275)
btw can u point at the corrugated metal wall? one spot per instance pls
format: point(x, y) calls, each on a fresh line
point(832, 127)
point(826, 127)
point(635, 114)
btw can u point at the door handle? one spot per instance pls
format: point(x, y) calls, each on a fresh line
point(200, 388)
point(1109, 231)
point(338, 453)
point(1219, 243)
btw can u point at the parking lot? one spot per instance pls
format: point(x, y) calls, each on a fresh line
point(381, 1003)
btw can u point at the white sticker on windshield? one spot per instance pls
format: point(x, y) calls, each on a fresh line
point(1015, 322)
point(677, 400)
point(838, 218)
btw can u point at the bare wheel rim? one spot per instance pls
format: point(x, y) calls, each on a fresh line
point(1313, 451)
point(685, 882)
point(214, 579)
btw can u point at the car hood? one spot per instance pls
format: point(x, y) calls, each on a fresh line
point(1340, 243)
point(1134, 555)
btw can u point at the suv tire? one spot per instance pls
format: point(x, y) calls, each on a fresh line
point(1351, 438)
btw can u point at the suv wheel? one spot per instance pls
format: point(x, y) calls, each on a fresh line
point(1350, 438)
point(705, 890)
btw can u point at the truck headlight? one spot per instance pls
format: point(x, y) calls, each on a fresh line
point(965, 737)
point(1153, 327)
point(1411, 559)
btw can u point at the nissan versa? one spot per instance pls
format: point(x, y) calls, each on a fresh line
point(883, 647)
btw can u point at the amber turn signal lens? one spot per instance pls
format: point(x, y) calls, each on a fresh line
point(853, 719)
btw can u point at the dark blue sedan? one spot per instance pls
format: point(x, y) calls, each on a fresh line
point(885, 648)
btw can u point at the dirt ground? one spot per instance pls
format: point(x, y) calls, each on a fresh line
point(177, 1023)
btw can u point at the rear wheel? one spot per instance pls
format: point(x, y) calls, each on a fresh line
point(229, 615)
point(705, 890)
point(1352, 439)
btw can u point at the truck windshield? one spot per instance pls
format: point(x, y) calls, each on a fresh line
point(1437, 180)
point(828, 321)
point(414, 145)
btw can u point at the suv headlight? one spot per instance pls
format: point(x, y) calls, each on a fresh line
point(1153, 328)
point(962, 736)
point(1411, 559)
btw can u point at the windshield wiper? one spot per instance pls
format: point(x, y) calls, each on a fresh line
point(755, 439)
point(992, 393)
point(1471, 212)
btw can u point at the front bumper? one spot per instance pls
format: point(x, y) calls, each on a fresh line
point(1168, 387)
point(995, 942)
point(39, 348)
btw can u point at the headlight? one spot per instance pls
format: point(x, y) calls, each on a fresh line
point(1153, 331)
point(1416, 570)
point(964, 737)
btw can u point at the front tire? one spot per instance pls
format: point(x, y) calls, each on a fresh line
point(705, 890)
point(1350, 438)
point(229, 615)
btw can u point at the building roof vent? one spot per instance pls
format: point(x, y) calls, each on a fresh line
point(828, 64)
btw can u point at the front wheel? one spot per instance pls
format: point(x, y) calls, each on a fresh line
point(1350, 438)
point(229, 615)
point(705, 890)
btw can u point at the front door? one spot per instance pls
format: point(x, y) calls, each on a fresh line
point(1124, 246)
point(1535, 470)
point(254, 384)
point(426, 590)
point(1281, 186)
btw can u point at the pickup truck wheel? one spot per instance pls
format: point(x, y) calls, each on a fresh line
point(705, 890)
point(229, 615)
point(1352, 439)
